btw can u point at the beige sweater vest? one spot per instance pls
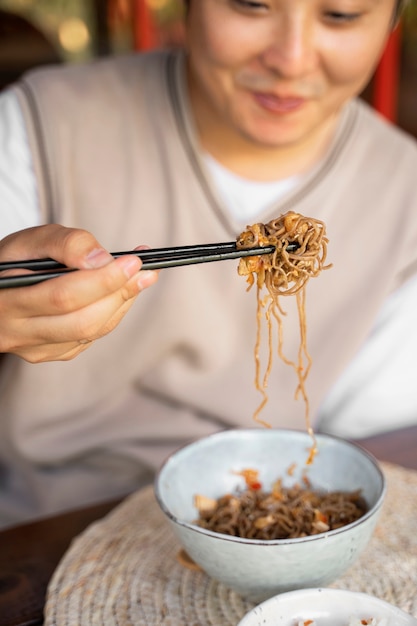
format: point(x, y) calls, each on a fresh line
point(115, 152)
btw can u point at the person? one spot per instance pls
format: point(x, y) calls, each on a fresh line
point(108, 369)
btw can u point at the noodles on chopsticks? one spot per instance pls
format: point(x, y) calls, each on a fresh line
point(283, 273)
point(298, 510)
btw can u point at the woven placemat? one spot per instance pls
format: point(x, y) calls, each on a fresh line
point(124, 570)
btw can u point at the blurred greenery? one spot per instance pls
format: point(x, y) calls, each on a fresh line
point(169, 11)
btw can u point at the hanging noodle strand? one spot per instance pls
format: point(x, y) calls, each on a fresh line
point(283, 273)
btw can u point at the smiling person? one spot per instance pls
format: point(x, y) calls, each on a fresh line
point(258, 116)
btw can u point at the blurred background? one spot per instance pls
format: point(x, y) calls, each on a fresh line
point(38, 32)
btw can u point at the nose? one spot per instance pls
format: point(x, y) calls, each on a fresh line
point(290, 52)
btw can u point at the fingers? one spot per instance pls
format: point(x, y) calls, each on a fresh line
point(52, 352)
point(70, 246)
point(37, 334)
point(59, 318)
point(94, 319)
point(76, 290)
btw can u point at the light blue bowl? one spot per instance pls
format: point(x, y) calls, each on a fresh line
point(259, 569)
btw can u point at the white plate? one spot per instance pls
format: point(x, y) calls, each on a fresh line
point(327, 607)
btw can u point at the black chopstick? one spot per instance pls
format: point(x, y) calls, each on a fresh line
point(156, 253)
point(153, 259)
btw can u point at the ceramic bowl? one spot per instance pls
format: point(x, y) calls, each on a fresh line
point(258, 569)
point(326, 607)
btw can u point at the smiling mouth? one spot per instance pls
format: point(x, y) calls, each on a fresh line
point(277, 104)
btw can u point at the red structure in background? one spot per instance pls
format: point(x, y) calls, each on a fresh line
point(386, 79)
point(144, 29)
point(387, 76)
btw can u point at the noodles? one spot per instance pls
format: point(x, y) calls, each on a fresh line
point(283, 273)
point(283, 513)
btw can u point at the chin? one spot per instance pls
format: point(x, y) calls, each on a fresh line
point(282, 133)
point(274, 139)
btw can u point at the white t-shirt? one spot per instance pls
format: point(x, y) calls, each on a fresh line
point(387, 358)
point(246, 199)
point(19, 206)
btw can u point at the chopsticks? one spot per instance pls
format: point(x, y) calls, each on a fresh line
point(153, 259)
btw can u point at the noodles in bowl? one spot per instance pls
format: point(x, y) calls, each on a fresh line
point(259, 568)
point(281, 513)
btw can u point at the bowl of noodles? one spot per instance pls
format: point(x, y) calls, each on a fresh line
point(250, 511)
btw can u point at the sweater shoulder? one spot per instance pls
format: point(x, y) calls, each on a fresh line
point(384, 140)
point(110, 77)
point(84, 118)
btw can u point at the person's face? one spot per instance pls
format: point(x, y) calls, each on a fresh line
point(276, 71)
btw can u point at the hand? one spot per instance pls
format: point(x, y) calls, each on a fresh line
point(59, 318)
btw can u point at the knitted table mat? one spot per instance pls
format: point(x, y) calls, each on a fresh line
point(123, 570)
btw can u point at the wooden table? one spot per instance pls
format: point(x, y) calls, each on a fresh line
point(29, 553)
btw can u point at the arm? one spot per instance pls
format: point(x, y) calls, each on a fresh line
point(378, 391)
point(59, 318)
point(18, 194)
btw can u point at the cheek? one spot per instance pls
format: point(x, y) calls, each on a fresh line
point(217, 50)
point(353, 63)
point(226, 47)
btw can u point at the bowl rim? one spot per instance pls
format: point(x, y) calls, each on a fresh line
point(271, 542)
point(328, 591)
